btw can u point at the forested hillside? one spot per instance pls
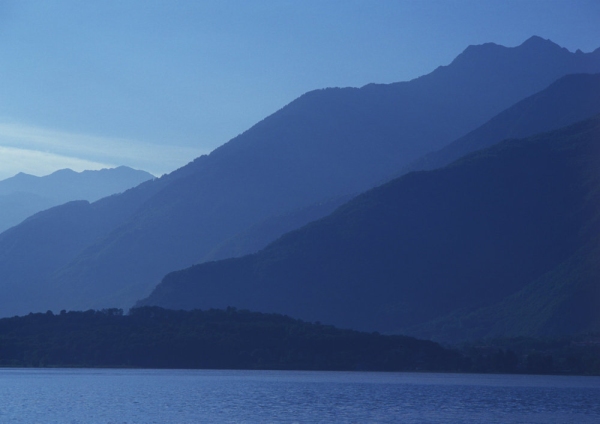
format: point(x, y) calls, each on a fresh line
point(223, 339)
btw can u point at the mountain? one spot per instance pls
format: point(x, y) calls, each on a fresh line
point(326, 144)
point(570, 99)
point(261, 234)
point(16, 207)
point(23, 195)
point(563, 301)
point(508, 232)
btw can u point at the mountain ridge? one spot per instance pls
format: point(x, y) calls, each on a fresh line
point(24, 195)
point(327, 143)
point(424, 245)
point(569, 99)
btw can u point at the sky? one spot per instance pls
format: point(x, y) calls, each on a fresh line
point(153, 84)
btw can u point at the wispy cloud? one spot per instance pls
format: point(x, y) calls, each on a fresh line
point(40, 147)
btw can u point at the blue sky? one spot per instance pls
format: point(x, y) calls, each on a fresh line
point(153, 84)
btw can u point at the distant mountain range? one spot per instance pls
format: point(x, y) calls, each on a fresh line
point(324, 145)
point(23, 195)
point(504, 241)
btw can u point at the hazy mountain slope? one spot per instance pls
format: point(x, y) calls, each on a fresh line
point(260, 235)
point(65, 185)
point(421, 246)
point(32, 250)
point(23, 195)
point(570, 99)
point(326, 143)
point(15, 207)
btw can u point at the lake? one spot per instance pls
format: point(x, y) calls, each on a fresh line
point(213, 396)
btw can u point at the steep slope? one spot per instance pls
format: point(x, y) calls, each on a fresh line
point(563, 301)
point(32, 250)
point(568, 100)
point(425, 245)
point(23, 195)
point(261, 234)
point(325, 144)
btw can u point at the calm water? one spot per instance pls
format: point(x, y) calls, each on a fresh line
point(183, 396)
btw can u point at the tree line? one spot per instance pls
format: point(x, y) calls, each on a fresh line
point(153, 337)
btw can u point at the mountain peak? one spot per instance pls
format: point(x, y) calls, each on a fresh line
point(20, 177)
point(534, 49)
point(536, 39)
point(479, 47)
point(64, 171)
point(538, 42)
